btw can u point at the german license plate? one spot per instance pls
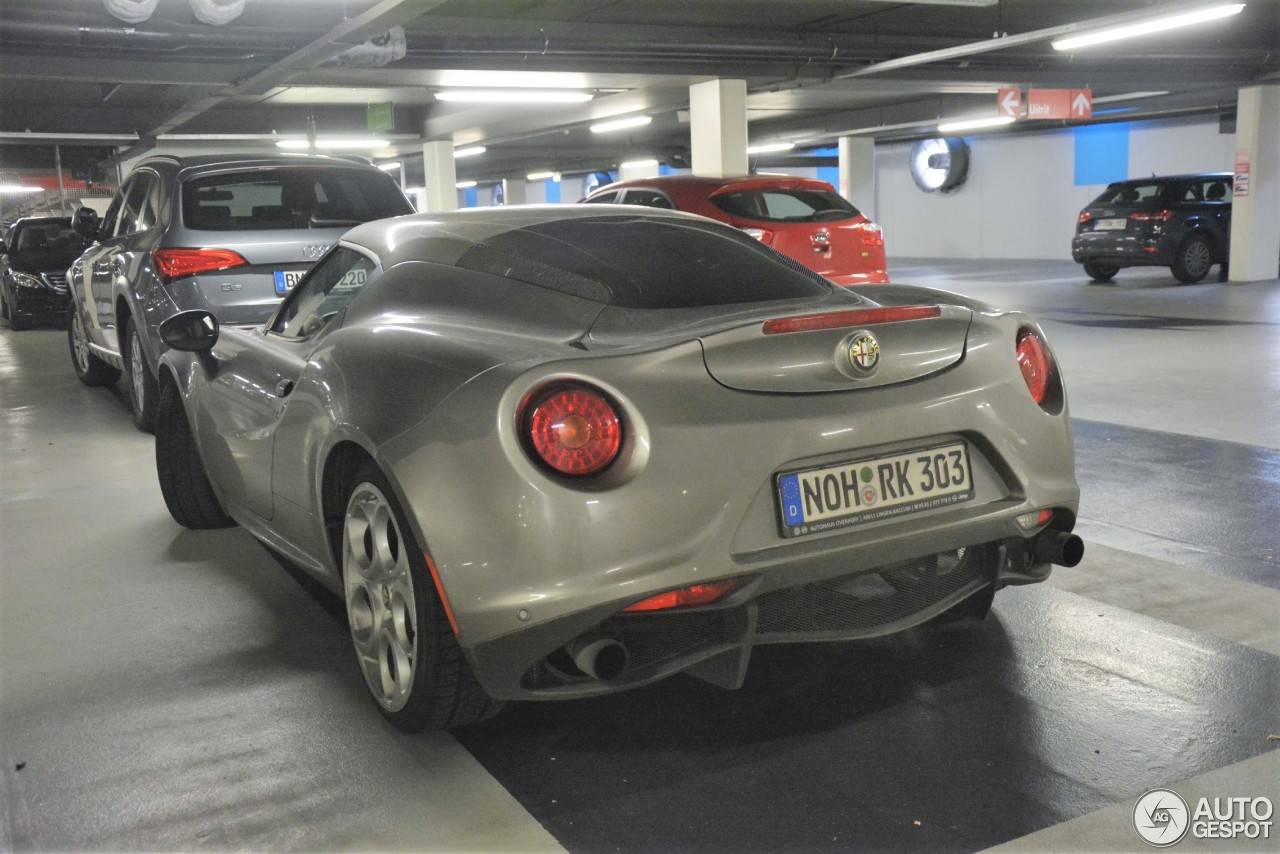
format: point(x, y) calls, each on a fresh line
point(1111, 224)
point(286, 279)
point(873, 488)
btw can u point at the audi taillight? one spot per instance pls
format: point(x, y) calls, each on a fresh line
point(1033, 360)
point(685, 597)
point(1084, 217)
point(572, 429)
point(174, 264)
point(1158, 216)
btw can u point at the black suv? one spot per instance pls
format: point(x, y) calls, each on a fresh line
point(1182, 222)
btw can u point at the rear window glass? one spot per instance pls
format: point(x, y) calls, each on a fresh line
point(782, 205)
point(1131, 194)
point(646, 264)
point(265, 199)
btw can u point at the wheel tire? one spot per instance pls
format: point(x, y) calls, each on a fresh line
point(142, 385)
point(1101, 273)
point(1193, 260)
point(403, 639)
point(91, 370)
point(4, 307)
point(183, 480)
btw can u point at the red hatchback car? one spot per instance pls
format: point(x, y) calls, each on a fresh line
point(802, 218)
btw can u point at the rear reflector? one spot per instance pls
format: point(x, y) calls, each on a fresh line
point(686, 597)
point(176, 263)
point(857, 317)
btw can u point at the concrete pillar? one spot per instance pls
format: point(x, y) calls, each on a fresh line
point(513, 191)
point(638, 169)
point(440, 178)
point(1255, 207)
point(718, 127)
point(858, 173)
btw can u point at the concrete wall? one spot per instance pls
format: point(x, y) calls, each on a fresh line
point(1021, 200)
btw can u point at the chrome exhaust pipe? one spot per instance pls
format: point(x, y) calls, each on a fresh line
point(1059, 547)
point(599, 657)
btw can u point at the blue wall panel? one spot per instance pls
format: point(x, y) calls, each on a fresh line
point(1102, 153)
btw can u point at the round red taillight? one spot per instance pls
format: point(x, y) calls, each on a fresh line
point(1033, 359)
point(573, 429)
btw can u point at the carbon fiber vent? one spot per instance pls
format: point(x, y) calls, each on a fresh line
point(861, 604)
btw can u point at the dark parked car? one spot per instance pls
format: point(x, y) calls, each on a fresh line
point(804, 219)
point(230, 234)
point(1182, 222)
point(33, 269)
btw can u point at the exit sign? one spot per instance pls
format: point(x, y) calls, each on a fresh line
point(1059, 103)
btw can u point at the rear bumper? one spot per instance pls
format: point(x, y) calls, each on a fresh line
point(1122, 250)
point(714, 643)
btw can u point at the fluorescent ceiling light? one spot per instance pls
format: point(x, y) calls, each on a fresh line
point(770, 146)
point(1153, 25)
point(324, 143)
point(638, 164)
point(513, 96)
point(1128, 96)
point(512, 80)
point(465, 185)
point(389, 167)
point(974, 124)
point(411, 190)
point(19, 188)
point(619, 124)
point(543, 176)
point(469, 151)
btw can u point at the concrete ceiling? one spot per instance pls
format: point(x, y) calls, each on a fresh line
point(71, 73)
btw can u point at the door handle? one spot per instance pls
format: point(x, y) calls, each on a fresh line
point(284, 387)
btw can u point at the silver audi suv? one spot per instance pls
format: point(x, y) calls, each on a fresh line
point(230, 234)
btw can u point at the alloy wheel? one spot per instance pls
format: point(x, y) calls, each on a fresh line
point(79, 343)
point(137, 366)
point(381, 607)
point(1198, 258)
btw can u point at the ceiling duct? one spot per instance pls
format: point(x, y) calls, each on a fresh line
point(378, 51)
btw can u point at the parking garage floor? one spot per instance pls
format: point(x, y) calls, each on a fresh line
point(177, 690)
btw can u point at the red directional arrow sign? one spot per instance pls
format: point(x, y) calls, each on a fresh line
point(1009, 102)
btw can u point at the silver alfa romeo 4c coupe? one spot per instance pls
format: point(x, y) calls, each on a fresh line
point(553, 452)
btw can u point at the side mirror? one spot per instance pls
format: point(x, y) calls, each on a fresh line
point(86, 222)
point(193, 331)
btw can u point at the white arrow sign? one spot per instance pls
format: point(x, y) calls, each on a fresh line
point(1082, 105)
point(1009, 101)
